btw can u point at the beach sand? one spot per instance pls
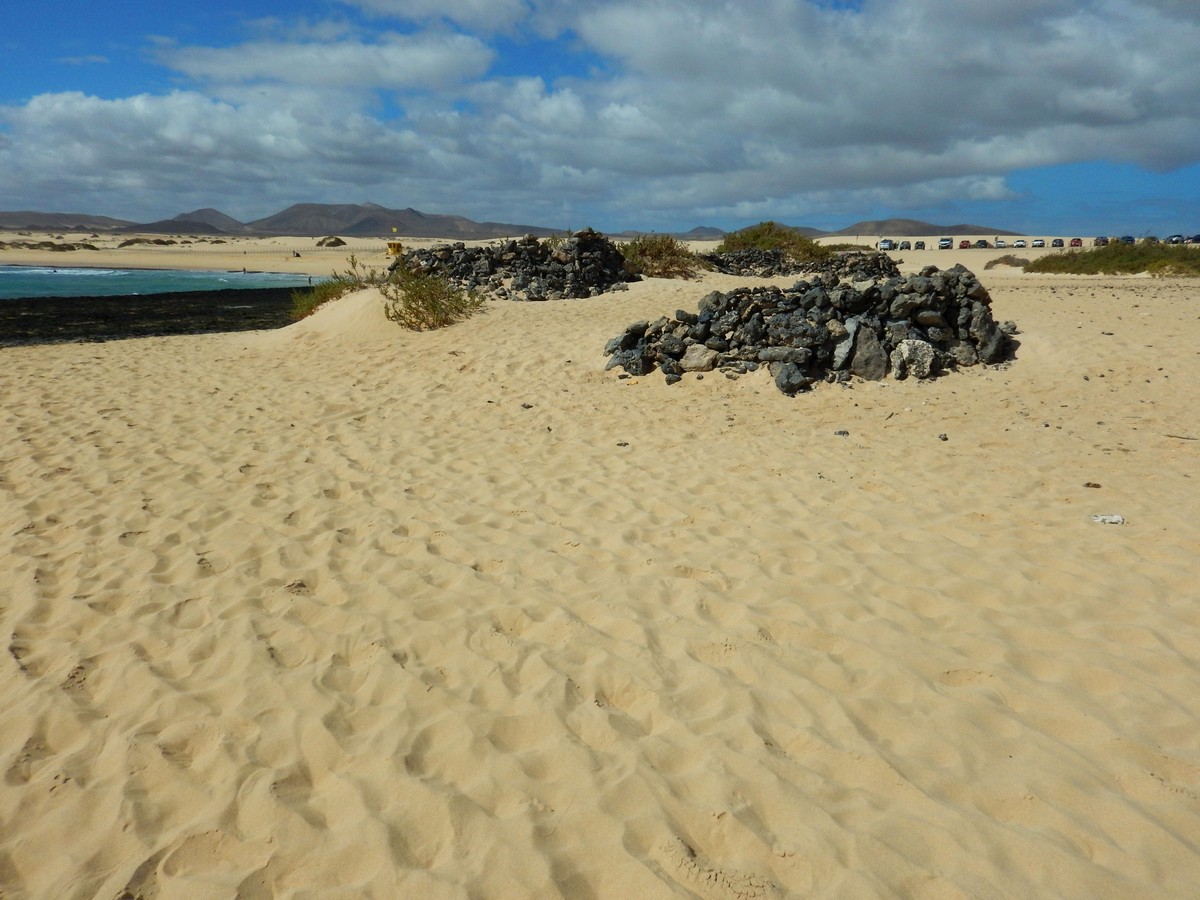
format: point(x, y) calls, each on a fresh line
point(346, 611)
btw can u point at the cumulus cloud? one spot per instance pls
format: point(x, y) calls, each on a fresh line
point(86, 60)
point(702, 107)
point(396, 61)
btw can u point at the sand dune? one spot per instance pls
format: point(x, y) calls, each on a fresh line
point(343, 610)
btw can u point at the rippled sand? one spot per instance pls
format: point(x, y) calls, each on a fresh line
point(342, 610)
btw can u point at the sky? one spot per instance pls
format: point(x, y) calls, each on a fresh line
point(1035, 116)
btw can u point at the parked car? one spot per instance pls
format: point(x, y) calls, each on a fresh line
point(1128, 239)
point(1057, 242)
point(1150, 240)
point(1076, 242)
point(1019, 242)
point(887, 244)
point(964, 245)
point(1038, 242)
point(946, 243)
point(981, 244)
point(1175, 239)
point(1195, 239)
point(919, 245)
point(1100, 242)
point(1000, 244)
point(905, 245)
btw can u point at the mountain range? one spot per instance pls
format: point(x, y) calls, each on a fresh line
point(371, 220)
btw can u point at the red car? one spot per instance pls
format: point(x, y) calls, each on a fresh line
point(1076, 242)
point(964, 245)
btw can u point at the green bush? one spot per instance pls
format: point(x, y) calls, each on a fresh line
point(660, 256)
point(424, 302)
point(773, 236)
point(307, 301)
point(1008, 259)
point(1121, 259)
point(849, 247)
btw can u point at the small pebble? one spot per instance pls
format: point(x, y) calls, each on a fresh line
point(842, 433)
point(943, 437)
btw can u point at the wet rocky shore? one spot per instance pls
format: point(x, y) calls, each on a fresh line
point(54, 319)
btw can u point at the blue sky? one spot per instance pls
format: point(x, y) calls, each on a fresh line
point(1039, 116)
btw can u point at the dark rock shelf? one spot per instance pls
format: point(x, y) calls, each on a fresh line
point(40, 320)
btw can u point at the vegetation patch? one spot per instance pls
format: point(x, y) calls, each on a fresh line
point(424, 302)
point(773, 236)
point(1122, 259)
point(1007, 260)
point(306, 301)
point(660, 256)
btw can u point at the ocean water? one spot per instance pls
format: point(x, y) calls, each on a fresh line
point(48, 281)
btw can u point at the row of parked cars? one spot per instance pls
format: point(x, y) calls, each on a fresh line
point(1036, 243)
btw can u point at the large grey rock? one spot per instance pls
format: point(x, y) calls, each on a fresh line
point(789, 377)
point(915, 358)
point(698, 358)
point(869, 361)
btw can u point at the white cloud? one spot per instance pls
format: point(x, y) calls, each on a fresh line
point(705, 107)
point(395, 61)
point(87, 60)
point(481, 15)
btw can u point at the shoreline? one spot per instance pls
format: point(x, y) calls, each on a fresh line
point(127, 268)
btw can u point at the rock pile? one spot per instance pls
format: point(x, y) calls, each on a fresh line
point(857, 266)
point(583, 265)
point(754, 263)
point(824, 328)
point(770, 263)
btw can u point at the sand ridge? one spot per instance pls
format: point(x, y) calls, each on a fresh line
point(353, 611)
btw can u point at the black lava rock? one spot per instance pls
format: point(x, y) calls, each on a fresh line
point(827, 329)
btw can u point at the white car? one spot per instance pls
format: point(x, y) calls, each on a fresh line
point(1019, 243)
point(1000, 245)
point(1038, 242)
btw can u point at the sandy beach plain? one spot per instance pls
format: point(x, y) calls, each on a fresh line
point(341, 610)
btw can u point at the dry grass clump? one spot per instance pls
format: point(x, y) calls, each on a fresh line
point(773, 236)
point(1121, 259)
point(306, 301)
point(660, 256)
point(419, 302)
point(1007, 259)
point(425, 302)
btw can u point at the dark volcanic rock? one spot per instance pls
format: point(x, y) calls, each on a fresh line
point(50, 319)
point(770, 263)
point(825, 329)
point(585, 264)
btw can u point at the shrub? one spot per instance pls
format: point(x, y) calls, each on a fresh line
point(1119, 259)
point(307, 301)
point(1008, 259)
point(773, 236)
point(424, 302)
point(660, 256)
